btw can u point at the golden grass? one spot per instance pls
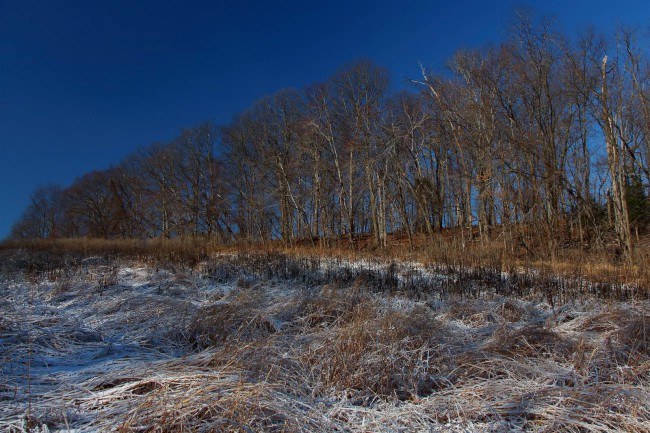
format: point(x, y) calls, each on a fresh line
point(595, 265)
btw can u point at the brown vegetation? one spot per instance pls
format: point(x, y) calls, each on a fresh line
point(261, 348)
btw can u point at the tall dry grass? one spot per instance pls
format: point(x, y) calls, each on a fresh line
point(503, 253)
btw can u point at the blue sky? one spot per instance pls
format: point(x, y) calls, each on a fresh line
point(85, 83)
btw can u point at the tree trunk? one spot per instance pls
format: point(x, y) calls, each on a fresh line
point(616, 172)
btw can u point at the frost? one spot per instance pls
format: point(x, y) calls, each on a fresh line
point(234, 347)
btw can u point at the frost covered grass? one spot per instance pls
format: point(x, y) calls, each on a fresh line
point(251, 343)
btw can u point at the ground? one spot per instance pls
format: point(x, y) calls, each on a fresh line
point(270, 343)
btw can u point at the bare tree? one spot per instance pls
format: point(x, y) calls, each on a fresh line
point(43, 217)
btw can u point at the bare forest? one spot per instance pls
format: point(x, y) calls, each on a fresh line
point(541, 142)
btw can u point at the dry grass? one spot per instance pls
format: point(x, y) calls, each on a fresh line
point(379, 351)
point(500, 254)
point(249, 344)
point(530, 341)
point(240, 318)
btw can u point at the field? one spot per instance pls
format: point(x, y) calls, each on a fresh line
point(256, 342)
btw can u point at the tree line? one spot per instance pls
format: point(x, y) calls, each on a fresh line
point(543, 139)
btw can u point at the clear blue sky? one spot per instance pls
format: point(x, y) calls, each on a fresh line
point(85, 83)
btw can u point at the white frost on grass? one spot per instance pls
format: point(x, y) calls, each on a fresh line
point(133, 346)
